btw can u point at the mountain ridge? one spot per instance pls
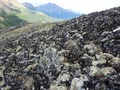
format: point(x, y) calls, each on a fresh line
point(29, 5)
point(53, 10)
point(56, 11)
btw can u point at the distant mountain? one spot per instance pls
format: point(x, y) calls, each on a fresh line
point(12, 12)
point(56, 11)
point(29, 5)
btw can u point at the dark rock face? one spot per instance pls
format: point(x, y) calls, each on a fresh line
point(83, 53)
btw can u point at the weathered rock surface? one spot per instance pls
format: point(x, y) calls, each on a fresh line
point(80, 54)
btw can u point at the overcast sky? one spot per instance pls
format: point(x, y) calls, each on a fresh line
point(81, 6)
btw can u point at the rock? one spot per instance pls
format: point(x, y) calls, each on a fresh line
point(2, 79)
point(100, 86)
point(78, 36)
point(58, 87)
point(75, 70)
point(85, 60)
point(98, 63)
point(100, 56)
point(94, 71)
point(91, 49)
point(1, 62)
point(64, 77)
point(30, 67)
point(107, 71)
point(74, 84)
point(18, 48)
point(6, 88)
point(28, 84)
point(103, 71)
point(51, 56)
point(78, 83)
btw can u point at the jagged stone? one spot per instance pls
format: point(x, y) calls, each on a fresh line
point(107, 71)
point(100, 86)
point(2, 79)
point(94, 71)
point(64, 77)
point(78, 83)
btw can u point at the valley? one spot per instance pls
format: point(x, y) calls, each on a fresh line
point(12, 13)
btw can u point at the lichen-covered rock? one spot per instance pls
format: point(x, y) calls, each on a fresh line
point(64, 77)
point(94, 71)
point(78, 83)
point(90, 49)
point(2, 79)
point(107, 71)
point(58, 87)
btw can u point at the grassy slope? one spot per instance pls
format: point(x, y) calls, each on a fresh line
point(27, 29)
point(7, 20)
point(8, 34)
point(33, 16)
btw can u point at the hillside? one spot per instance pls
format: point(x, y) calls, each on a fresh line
point(79, 54)
point(14, 10)
point(55, 11)
point(7, 20)
point(29, 5)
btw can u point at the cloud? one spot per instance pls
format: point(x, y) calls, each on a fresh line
point(82, 6)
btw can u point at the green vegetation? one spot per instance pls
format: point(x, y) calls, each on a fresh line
point(33, 16)
point(7, 20)
point(10, 20)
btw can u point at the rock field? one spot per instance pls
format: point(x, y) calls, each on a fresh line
point(80, 54)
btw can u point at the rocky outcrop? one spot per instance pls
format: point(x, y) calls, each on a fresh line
point(80, 54)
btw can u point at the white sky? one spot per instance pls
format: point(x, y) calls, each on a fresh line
point(81, 6)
